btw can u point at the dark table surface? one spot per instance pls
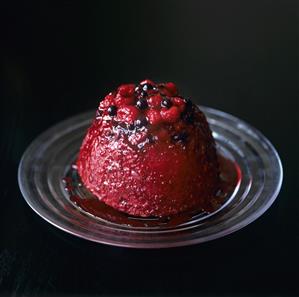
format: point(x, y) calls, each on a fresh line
point(60, 57)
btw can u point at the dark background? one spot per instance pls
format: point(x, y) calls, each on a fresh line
point(59, 58)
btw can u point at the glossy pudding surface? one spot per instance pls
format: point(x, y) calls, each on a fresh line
point(149, 152)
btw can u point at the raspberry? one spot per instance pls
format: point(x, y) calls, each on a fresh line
point(171, 87)
point(122, 101)
point(155, 101)
point(137, 137)
point(127, 114)
point(163, 91)
point(108, 101)
point(126, 90)
point(179, 102)
point(154, 117)
point(170, 115)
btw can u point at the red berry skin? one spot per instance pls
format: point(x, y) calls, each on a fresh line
point(147, 81)
point(179, 102)
point(164, 91)
point(170, 115)
point(126, 90)
point(121, 101)
point(127, 114)
point(155, 101)
point(108, 101)
point(154, 117)
point(171, 87)
point(137, 138)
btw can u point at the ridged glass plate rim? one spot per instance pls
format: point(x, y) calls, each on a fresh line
point(187, 235)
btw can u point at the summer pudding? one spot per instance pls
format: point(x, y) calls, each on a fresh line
point(149, 152)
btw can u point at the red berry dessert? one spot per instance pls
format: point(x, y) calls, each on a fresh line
point(149, 152)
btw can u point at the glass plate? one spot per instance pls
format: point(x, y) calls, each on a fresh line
point(48, 159)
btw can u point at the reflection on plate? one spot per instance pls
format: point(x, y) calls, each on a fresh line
point(47, 161)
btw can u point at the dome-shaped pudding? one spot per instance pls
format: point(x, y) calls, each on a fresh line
point(149, 152)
